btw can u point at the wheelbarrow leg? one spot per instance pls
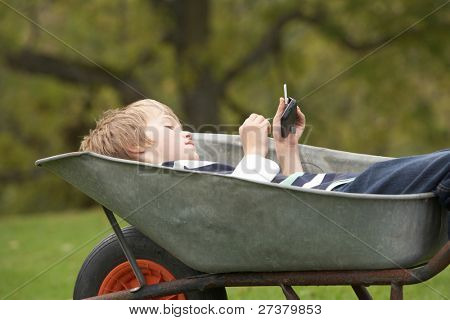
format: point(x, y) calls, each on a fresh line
point(396, 291)
point(361, 292)
point(289, 292)
point(126, 250)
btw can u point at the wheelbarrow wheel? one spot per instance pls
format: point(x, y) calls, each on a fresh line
point(106, 269)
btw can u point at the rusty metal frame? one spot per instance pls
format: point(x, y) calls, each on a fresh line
point(125, 248)
point(358, 279)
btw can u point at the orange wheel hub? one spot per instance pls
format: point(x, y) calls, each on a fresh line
point(122, 278)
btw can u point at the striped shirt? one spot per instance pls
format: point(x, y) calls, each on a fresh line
point(259, 169)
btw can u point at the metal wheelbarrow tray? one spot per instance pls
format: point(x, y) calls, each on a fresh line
point(221, 224)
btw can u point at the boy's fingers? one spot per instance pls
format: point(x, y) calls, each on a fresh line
point(299, 112)
point(265, 122)
point(261, 124)
point(281, 105)
point(280, 109)
point(260, 119)
point(301, 117)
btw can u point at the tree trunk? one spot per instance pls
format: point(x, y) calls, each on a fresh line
point(199, 90)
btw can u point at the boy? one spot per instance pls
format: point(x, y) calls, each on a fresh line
point(149, 131)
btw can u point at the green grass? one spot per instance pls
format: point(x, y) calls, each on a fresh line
point(41, 256)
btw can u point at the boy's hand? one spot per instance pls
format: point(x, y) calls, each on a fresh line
point(286, 148)
point(254, 135)
point(291, 140)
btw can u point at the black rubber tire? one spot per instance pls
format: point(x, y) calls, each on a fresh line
point(108, 254)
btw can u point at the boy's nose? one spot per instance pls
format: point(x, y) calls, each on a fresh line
point(187, 134)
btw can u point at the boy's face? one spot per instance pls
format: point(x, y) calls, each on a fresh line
point(170, 142)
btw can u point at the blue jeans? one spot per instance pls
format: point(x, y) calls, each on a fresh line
point(414, 174)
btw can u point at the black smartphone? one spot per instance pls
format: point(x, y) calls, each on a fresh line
point(289, 116)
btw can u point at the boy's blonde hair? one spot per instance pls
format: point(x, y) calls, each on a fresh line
point(122, 128)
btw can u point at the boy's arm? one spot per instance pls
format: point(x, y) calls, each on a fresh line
point(255, 143)
point(289, 159)
point(257, 168)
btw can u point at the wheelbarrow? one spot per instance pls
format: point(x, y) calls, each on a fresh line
point(192, 234)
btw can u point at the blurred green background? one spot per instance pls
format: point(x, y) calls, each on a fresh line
point(372, 77)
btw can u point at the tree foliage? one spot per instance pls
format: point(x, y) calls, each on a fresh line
point(372, 75)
